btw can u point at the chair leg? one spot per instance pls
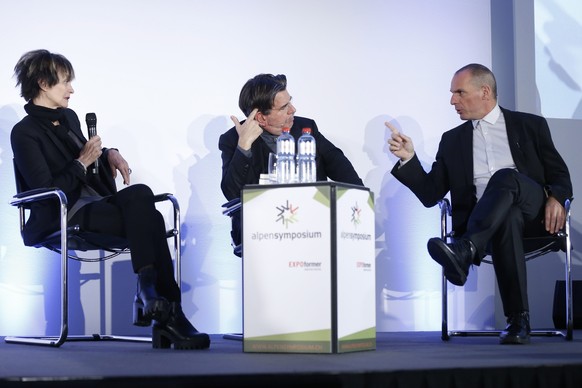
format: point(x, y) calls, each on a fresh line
point(177, 241)
point(64, 251)
point(569, 301)
point(444, 212)
point(444, 305)
point(568, 334)
point(56, 341)
point(233, 336)
point(63, 335)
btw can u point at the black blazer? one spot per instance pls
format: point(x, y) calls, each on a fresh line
point(238, 170)
point(532, 149)
point(43, 160)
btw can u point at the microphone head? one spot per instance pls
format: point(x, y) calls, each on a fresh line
point(91, 119)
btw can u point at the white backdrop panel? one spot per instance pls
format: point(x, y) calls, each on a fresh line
point(163, 78)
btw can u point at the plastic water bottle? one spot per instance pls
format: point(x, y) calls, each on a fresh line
point(306, 157)
point(285, 157)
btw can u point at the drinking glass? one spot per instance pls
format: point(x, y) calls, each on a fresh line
point(272, 167)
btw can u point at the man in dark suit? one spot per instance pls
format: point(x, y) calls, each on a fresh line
point(506, 180)
point(245, 147)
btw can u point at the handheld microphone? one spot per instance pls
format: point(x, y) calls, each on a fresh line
point(91, 120)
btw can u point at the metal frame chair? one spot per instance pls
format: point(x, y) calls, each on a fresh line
point(73, 238)
point(558, 242)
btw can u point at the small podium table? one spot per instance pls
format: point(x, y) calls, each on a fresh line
point(308, 268)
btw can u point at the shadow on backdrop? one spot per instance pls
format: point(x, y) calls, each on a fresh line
point(561, 56)
point(198, 178)
point(404, 270)
point(26, 273)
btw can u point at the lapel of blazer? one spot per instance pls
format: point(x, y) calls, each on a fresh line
point(514, 137)
point(466, 151)
point(54, 139)
point(77, 133)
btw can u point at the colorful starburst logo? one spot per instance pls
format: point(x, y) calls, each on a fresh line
point(287, 214)
point(356, 211)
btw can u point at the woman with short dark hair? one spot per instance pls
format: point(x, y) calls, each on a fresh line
point(51, 151)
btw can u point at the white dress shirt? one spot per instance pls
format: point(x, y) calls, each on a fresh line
point(491, 150)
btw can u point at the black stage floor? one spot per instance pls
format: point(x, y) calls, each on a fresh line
point(406, 359)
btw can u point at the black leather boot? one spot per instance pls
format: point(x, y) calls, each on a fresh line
point(179, 331)
point(148, 305)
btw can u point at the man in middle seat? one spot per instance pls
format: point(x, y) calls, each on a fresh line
point(245, 148)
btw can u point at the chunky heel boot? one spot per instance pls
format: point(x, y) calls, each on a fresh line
point(179, 331)
point(148, 305)
point(138, 313)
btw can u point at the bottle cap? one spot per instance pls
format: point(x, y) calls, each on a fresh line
point(306, 130)
point(286, 129)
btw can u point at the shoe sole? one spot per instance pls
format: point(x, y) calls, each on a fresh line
point(443, 255)
point(192, 344)
point(163, 339)
point(514, 341)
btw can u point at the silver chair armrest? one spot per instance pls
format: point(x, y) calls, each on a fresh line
point(38, 195)
point(231, 207)
point(445, 207)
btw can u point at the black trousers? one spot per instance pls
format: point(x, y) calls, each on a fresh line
point(131, 213)
point(511, 208)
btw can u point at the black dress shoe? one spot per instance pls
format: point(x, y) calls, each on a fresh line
point(517, 330)
point(179, 331)
point(455, 258)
